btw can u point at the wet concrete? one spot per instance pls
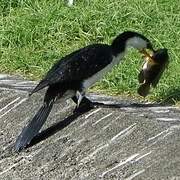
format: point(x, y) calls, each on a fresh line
point(127, 140)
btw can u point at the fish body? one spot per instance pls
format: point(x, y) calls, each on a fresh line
point(152, 71)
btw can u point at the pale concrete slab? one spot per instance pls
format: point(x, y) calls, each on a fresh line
point(128, 140)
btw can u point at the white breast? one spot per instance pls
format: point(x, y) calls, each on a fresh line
point(93, 79)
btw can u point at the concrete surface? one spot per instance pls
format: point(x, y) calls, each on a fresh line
point(128, 141)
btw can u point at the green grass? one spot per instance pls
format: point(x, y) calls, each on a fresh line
point(35, 33)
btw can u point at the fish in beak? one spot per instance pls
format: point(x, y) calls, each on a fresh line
point(153, 68)
point(148, 56)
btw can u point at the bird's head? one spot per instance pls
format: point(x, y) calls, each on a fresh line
point(131, 39)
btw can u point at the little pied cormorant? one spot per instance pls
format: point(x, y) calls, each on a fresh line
point(75, 73)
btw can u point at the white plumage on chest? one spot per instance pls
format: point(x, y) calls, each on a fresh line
point(93, 79)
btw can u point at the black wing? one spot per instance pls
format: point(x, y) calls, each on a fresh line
point(77, 66)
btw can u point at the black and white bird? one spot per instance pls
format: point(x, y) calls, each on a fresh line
point(71, 76)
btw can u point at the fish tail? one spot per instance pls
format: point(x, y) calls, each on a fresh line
point(144, 89)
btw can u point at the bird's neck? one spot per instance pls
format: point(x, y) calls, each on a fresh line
point(121, 44)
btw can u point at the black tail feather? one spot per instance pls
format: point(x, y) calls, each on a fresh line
point(32, 129)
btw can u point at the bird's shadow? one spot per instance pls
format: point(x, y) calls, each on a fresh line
point(81, 110)
point(58, 126)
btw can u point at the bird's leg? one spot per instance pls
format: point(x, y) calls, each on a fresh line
point(84, 105)
point(88, 102)
point(85, 101)
point(79, 96)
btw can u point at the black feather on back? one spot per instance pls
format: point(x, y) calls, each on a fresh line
point(77, 66)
